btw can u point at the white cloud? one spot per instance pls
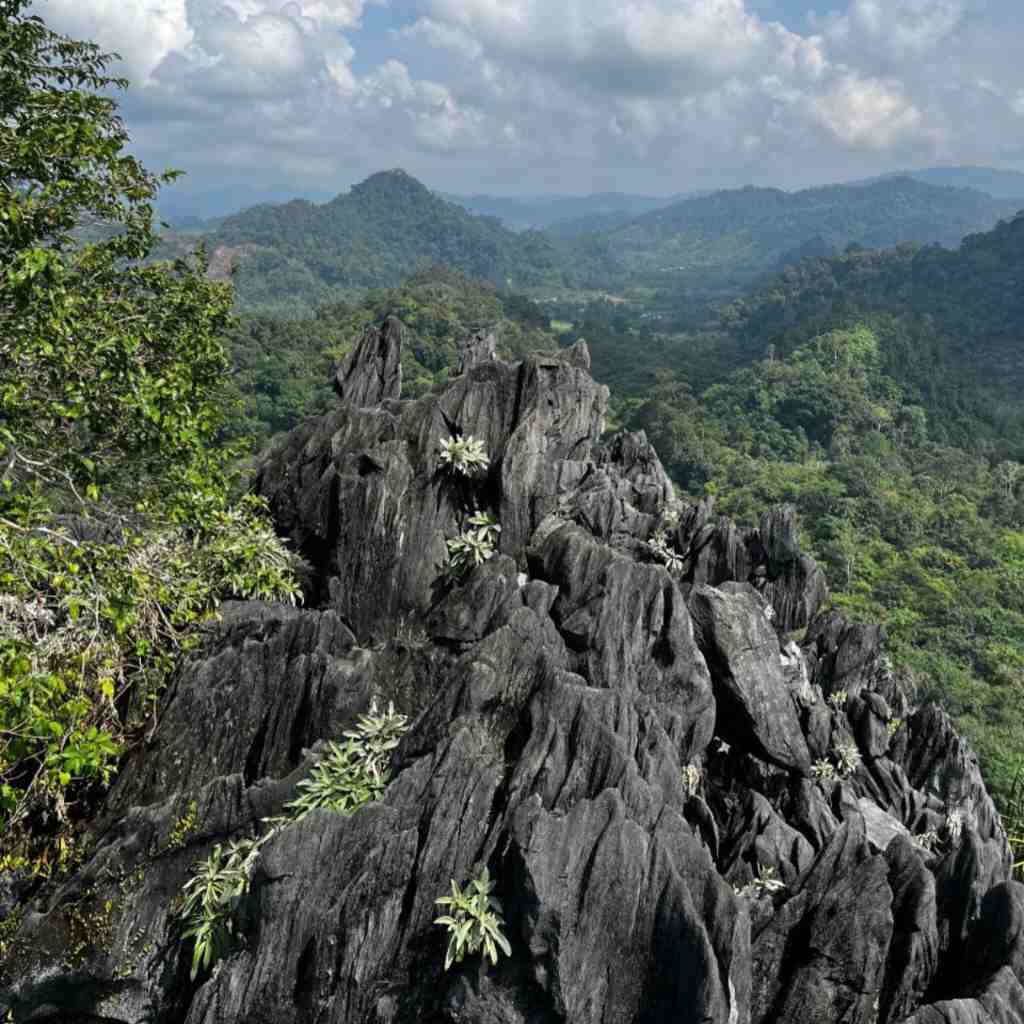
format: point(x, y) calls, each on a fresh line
point(633, 94)
point(142, 34)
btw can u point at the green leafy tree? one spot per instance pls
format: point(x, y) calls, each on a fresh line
point(117, 533)
point(108, 365)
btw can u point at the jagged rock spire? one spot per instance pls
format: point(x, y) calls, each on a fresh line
point(372, 371)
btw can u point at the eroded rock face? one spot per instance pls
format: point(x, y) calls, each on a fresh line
point(625, 740)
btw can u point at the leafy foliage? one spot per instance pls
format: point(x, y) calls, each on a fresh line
point(764, 885)
point(105, 364)
point(353, 773)
point(117, 535)
point(475, 921)
point(465, 455)
point(474, 546)
point(212, 896)
point(90, 629)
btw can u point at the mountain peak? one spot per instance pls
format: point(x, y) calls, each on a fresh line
point(392, 181)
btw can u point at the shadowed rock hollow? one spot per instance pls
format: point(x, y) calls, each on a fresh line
point(614, 714)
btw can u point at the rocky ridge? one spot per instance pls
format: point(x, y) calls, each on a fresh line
point(702, 799)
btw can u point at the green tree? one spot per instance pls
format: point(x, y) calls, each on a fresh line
point(117, 535)
point(108, 365)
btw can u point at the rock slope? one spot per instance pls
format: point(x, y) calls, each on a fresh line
point(701, 800)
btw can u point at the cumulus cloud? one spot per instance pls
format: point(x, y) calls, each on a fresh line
point(526, 95)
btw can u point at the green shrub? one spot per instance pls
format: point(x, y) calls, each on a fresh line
point(355, 772)
point(465, 455)
point(91, 629)
point(473, 546)
point(766, 884)
point(351, 775)
point(475, 921)
point(212, 896)
point(671, 559)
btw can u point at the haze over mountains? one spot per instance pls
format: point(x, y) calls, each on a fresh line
point(391, 226)
point(183, 206)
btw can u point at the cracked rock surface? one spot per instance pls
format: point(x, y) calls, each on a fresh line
point(633, 745)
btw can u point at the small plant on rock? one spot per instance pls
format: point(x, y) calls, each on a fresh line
point(823, 771)
point(473, 546)
point(849, 759)
point(354, 772)
point(954, 826)
point(212, 896)
point(838, 700)
point(475, 921)
point(927, 840)
point(466, 456)
point(766, 884)
point(691, 779)
point(672, 560)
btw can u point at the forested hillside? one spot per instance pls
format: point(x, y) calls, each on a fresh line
point(954, 321)
point(300, 255)
point(752, 229)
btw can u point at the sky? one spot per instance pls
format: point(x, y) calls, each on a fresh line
point(570, 96)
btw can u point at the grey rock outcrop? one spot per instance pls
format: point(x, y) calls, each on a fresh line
point(625, 740)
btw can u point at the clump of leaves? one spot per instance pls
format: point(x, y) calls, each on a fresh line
point(91, 628)
point(464, 455)
point(766, 884)
point(475, 921)
point(668, 557)
point(212, 896)
point(849, 759)
point(954, 825)
point(927, 840)
point(838, 699)
point(691, 778)
point(823, 770)
point(473, 546)
point(354, 772)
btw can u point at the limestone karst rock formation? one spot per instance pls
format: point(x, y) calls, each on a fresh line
point(633, 744)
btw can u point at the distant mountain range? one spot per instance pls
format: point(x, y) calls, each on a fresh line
point(759, 228)
point(998, 183)
point(391, 226)
point(541, 212)
point(564, 216)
